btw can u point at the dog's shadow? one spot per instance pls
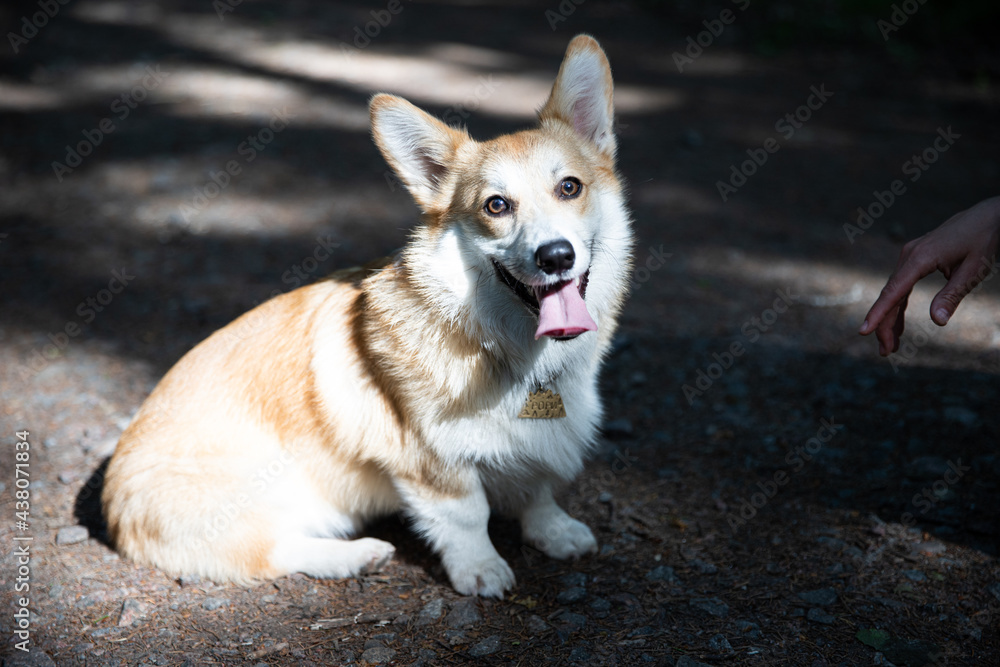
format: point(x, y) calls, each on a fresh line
point(87, 507)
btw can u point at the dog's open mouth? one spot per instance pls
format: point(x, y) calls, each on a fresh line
point(561, 310)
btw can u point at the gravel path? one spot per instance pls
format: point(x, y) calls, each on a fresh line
point(769, 490)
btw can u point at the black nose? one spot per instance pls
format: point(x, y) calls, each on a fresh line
point(554, 257)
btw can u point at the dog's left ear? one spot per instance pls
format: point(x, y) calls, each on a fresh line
point(583, 94)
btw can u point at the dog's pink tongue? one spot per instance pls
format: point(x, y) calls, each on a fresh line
point(562, 311)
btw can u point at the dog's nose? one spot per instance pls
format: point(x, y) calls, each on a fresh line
point(554, 257)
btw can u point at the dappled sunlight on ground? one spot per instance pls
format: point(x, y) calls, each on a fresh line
point(211, 162)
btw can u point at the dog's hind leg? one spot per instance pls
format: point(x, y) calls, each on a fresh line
point(329, 558)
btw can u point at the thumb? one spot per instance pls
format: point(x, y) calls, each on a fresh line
point(961, 282)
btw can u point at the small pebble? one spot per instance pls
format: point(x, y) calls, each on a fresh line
point(600, 604)
point(702, 567)
point(486, 647)
point(823, 597)
point(572, 622)
point(71, 535)
point(931, 548)
point(536, 625)
point(211, 604)
point(571, 595)
point(455, 637)
point(713, 606)
point(817, 615)
point(132, 610)
point(663, 573)
point(69, 476)
point(465, 612)
point(431, 612)
point(719, 644)
point(574, 580)
point(378, 655)
point(36, 658)
point(687, 661)
point(748, 629)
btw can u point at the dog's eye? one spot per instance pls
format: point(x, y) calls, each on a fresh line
point(496, 205)
point(569, 188)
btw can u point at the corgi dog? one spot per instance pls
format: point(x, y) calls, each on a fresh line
point(456, 378)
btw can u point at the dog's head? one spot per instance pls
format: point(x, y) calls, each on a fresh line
point(527, 230)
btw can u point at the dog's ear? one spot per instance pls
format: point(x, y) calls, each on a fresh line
point(417, 146)
point(583, 94)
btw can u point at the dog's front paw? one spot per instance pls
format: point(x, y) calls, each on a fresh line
point(372, 554)
point(486, 578)
point(569, 538)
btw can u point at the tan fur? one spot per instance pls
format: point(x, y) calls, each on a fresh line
point(336, 383)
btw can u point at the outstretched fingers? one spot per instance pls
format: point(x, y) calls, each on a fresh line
point(886, 314)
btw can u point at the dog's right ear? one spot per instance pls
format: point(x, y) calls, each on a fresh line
point(417, 146)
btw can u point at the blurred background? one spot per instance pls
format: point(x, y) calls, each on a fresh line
point(167, 165)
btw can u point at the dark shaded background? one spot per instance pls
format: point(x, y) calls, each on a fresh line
point(321, 184)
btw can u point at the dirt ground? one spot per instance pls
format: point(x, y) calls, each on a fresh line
point(804, 502)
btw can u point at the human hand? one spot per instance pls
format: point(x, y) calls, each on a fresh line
point(963, 249)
